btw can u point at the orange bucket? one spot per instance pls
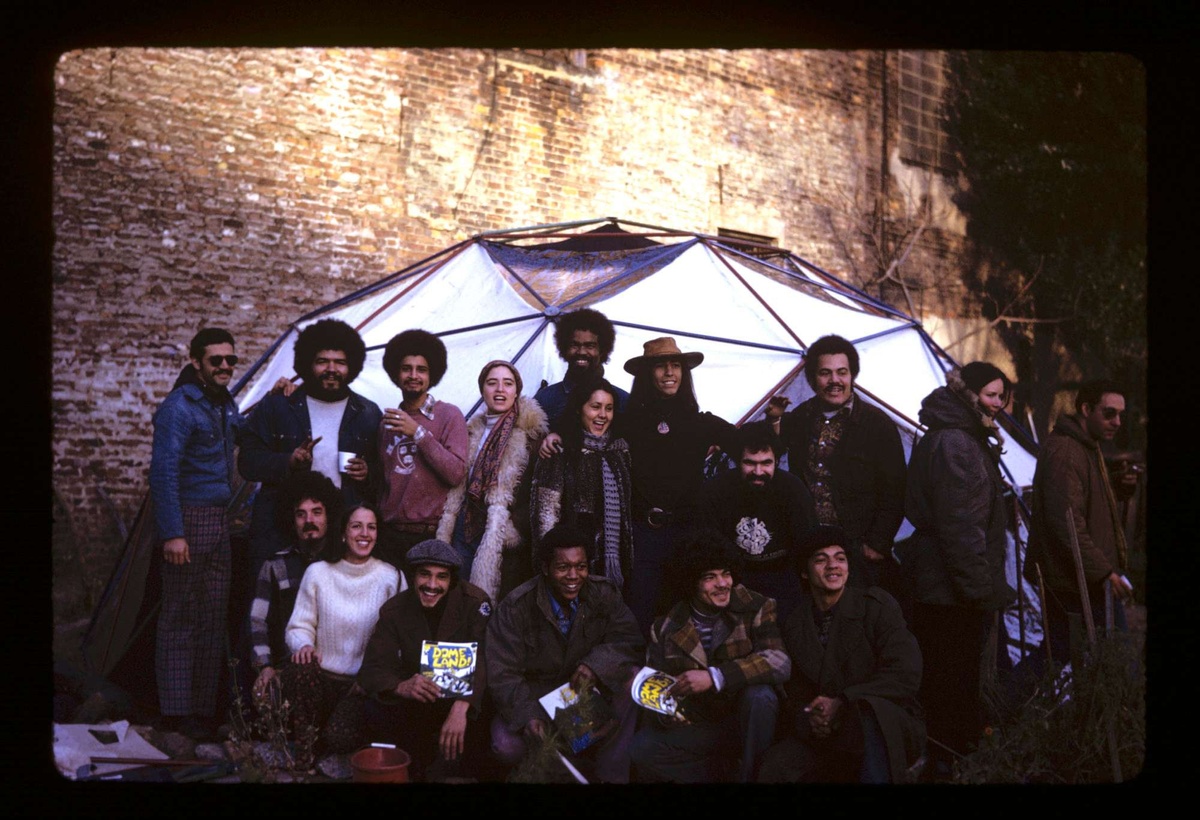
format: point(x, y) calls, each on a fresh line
point(378, 765)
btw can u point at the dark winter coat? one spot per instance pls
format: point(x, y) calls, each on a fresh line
point(527, 654)
point(280, 424)
point(870, 656)
point(393, 653)
point(867, 470)
point(955, 500)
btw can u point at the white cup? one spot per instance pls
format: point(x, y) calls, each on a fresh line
point(344, 460)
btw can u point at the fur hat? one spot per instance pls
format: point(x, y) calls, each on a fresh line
point(661, 349)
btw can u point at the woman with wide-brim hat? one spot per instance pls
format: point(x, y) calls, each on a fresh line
point(668, 438)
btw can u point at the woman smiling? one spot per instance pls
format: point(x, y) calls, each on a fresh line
point(588, 484)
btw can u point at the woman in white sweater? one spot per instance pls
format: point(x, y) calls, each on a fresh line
point(336, 610)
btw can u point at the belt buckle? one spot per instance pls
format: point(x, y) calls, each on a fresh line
point(650, 518)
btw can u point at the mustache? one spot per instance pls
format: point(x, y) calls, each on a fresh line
point(310, 528)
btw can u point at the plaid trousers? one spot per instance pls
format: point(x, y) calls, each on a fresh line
point(189, 652)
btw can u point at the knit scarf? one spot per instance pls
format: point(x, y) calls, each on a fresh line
point(611, 495)
point(484, 472)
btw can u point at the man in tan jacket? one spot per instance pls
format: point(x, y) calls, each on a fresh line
point(1071, 475)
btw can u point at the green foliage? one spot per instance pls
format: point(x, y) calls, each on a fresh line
point(1061, 735)
point(542, 764)
point(1054, 159)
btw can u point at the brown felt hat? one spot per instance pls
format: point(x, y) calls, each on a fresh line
point(661, 349)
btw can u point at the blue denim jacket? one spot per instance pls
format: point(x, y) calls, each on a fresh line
point(276, 427)
point(191, 464)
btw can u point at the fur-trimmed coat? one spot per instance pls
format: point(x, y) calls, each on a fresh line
point(955, 500)
point(507, 502)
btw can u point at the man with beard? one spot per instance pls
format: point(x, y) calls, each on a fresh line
point(584, 339)
point(290, 434)
point(764, 512)
point(308, 502)
point(422, 446)
point(191, 486)
point(849, 454)
point(440, 730)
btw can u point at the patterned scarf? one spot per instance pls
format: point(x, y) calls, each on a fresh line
point(484, 473)
point(610, 494)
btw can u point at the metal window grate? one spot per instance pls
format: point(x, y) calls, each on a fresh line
point(923, 136)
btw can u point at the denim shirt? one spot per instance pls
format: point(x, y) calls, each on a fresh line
point(191, 464)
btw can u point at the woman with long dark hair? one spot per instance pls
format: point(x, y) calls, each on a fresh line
point(669, 438)
point(587, 485)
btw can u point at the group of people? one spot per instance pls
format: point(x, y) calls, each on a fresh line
point(571, 537)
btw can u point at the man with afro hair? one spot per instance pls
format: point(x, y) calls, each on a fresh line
point(584, 339)
point(422, 446)
point(309, 429)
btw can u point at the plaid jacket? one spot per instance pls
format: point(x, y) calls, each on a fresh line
point(274, 598)
point(748, 649)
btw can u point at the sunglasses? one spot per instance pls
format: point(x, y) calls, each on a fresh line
point(215, 361)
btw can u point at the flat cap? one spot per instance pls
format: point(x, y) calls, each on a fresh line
point(433, 551)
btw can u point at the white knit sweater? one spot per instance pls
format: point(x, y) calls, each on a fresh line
point(337, 607)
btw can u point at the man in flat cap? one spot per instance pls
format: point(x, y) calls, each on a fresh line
point(423, 666)
point(853, 714)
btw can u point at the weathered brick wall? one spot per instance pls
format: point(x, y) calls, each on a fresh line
point(243, 188)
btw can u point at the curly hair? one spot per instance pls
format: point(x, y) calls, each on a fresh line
point(561, 537)
point(757, 437)
point(329, 334)
point(415, 343)
point(299, 487)
point(592, 321)
point(702, 550)
point(830, 345)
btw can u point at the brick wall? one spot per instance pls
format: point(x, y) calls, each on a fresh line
point(245, 187)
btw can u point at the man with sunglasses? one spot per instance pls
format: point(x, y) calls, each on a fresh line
point(1071, 476)
point(191, 484)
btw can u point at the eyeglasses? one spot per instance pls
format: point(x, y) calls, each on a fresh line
point(1111, 413)
point(215, 361)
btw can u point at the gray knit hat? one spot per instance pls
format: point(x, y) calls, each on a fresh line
point(433, 551)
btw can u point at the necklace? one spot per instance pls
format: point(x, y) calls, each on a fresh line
point(664, 428)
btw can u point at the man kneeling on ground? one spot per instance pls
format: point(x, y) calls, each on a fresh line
point(439, 730)
point(562, 626)
point(852, 698)
point(722, 643)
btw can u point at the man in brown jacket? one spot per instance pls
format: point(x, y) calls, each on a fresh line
point(1071, 476)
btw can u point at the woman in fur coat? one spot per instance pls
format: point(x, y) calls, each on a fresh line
point(955, 560)
point(587, 484)
point(486, 516)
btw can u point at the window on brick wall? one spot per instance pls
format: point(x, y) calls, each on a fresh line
point(576, 57)
point(742, 240)
point(923, 137)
